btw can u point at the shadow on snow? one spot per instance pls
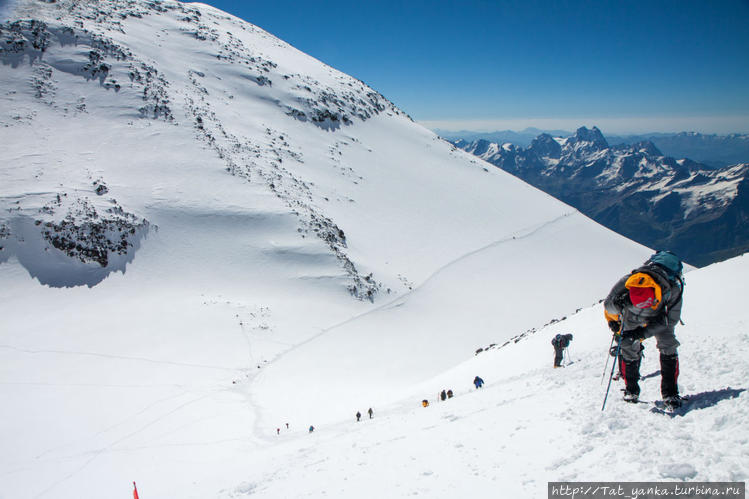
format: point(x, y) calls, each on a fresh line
point(701, 400)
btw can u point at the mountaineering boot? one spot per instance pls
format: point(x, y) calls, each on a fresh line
point(631, 373)
point(669, 376)
point(631, 397)
point(672, 403)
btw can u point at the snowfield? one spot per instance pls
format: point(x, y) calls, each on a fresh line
point(206, 235)
point(531, 424)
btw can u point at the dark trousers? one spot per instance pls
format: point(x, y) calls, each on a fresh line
point(630, 366)
point(631, 373)
point(669, 375)
point(558, 356)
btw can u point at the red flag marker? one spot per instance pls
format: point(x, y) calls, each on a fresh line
point(135, 491)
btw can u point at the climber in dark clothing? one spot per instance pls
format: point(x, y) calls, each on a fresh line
point(647, 303)
point(560, 342)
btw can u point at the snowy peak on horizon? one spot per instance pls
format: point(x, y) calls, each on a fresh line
point(711, 149)
point(641, 161)
point(592, 135)
point(628, 187)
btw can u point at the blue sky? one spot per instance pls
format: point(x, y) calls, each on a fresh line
point(625, 66)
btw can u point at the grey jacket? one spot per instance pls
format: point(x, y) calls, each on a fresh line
point(656, 322)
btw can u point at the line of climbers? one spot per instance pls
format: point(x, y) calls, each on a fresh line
point(442, 395)
point(370, 412)
point(448, 394)
point(643, 304)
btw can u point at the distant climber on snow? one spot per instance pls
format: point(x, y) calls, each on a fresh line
point(642, 304)
point(478, 382)
point(560, 342)
point(443, 395)
point(358, 415)
point(370, 412)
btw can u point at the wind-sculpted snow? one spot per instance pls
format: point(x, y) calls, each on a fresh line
point(79, 42)
point(92, 247)
point(246, 158)
point(67, 241)
point(310, 101)
point(80, 52)
point(96, 242)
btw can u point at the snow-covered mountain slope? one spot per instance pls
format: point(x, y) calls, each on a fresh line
point(531, 424)
point(635, 190)
point(206, 232)
point(528, 425)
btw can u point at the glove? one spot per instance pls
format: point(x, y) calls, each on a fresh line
point(615, 326)
point(637, 333)
point(613, 350)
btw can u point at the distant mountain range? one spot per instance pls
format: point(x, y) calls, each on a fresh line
point(709, 149)
point(699, 212)
point(712, 150)
point(522, 138)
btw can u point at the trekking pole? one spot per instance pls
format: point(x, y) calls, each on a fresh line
point(613, 367)
point(608, 356)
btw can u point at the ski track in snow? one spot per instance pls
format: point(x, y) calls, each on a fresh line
point(118, 357)
point(261, 431)
point(522, 234)
point(111, 446)
point(399, 300)
point(116, 425)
